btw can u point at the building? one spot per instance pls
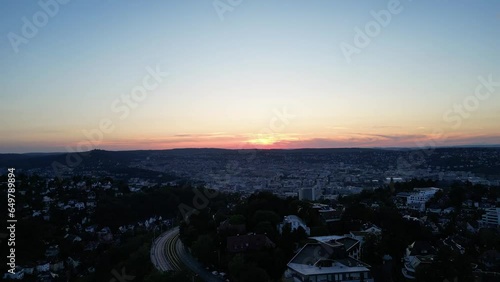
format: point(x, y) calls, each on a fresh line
point(417, 254)
point(393, 179)
point(327, 213)
point(295, 222)
point(419, 197)
point(491, 218)
point(232, 229)
point(367, 230)
point(372, 229)
point(351, 245)
point(248, 243)
point(290, 194)
point(309, 194)
point(326, 262)
point(358, 235)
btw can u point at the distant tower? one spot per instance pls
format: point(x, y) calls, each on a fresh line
point(391, 185)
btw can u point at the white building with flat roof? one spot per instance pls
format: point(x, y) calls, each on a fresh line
point(420, 196)
point(317, 262)
point(491, 218)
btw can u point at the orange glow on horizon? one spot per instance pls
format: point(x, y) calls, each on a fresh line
point(284, 141)
point(263, 141)
point(271, 141)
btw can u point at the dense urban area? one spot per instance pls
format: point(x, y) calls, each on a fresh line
point(428, 214)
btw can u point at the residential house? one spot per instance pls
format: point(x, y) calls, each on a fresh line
point(417, 254)
point(327, 213)
point(234, 229)
point(247, 243)
point(351, 245)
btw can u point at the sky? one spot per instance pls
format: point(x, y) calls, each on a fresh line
point(124, 75)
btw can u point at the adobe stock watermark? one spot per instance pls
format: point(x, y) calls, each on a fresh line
point(201, 200)
point(363, 37)
point(454, 116)
point(470, 104)
point(121, 107)
point(223, 6)
point(31, 26)
point(278, 122)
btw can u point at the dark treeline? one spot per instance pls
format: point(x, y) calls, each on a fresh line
point(260, 213)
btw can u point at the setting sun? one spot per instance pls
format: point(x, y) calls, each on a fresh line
point(268, 140)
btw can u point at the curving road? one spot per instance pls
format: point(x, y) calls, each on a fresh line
point(169, 254)
point(162, 255)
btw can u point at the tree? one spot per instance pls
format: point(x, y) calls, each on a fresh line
point(253, 273)
point(204, 249)
point(371, 252)
point(428, 273)
point(319, 231)
point(266, 215)
point(236, 265)
point(123, 187)
point(457, 196)
point(237, 219)
point(265, 227)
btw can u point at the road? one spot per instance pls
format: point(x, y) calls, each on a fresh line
point(169, 254)
point(163, 254)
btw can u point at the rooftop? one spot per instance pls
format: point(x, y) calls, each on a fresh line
point(421, 248)
point(250, 242)
point(320, 258)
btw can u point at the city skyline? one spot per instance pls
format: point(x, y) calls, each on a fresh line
point(251, 74)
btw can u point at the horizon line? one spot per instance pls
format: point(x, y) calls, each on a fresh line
point(266, 149)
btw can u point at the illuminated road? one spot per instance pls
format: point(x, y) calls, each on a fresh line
point(169, 254)
point(163, 252)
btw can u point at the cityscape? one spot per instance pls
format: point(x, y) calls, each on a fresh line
point(250, 141)
point(318, 212)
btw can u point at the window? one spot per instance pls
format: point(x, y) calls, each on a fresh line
point(322, 278)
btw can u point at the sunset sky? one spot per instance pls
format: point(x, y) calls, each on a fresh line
point(266, 74)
